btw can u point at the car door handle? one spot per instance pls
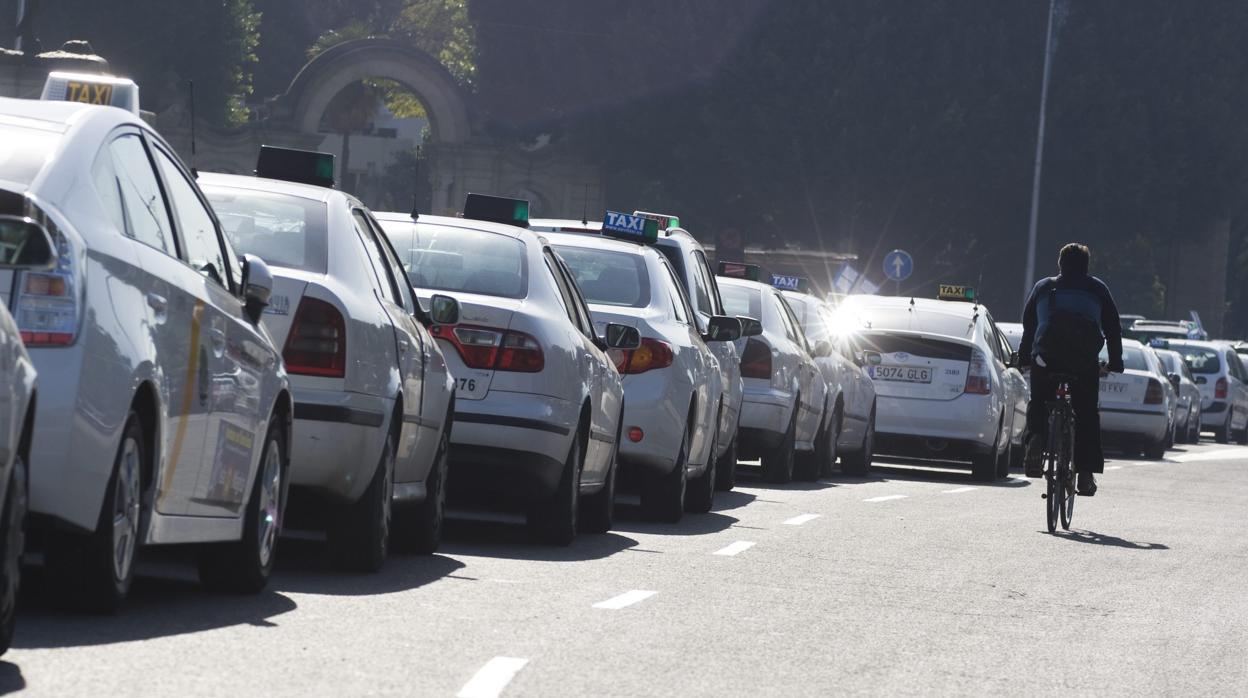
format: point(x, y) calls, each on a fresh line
point(157, 302)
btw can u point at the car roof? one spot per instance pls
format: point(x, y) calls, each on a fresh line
point(275, 186)
point(597, 242)
point(926, 305)
point(730, 281)
point(455, 222)
point(558, 225)
point(56, 111)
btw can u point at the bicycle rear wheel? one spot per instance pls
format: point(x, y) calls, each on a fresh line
point(1067, 489)
point(1053, 498)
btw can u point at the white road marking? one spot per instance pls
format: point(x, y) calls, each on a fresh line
point(1113, 467)
point(628, 598)
point(492, 678)
point(734, 548)
point(799, 520)
point(1219, 454)
point(885, 498)
point(959, 490)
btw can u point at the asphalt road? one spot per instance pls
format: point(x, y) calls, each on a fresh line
point(911, 582)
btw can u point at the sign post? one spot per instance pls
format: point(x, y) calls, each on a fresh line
point(898, 266)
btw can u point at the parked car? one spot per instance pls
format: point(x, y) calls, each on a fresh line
point(539, 404)
point(1180, 376)
point(373, 395)
point(25, 245)
point(786, 400)
point(945, 380)
point(851, 392)
point(673, 387)
point(163, 400)
point(1223, 383)
point(1137, 405)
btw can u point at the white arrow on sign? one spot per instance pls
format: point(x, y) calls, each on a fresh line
point(898, 265)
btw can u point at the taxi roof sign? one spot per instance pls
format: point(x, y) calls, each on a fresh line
point(665, 220)
point(293, 165)
point(740, 270)
point(89, 88)
point(497, 209)
point(625, 226)
point(785, 282)
point(955, 292)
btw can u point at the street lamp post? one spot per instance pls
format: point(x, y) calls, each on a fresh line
point(1029, 274)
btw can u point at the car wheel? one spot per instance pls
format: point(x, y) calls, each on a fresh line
point(1223, 433)
point(778, 463)
point(418, 528)
point(94, 572)
point(827, 461)
point(1193, 430)
point(664, 496)
point(244, 566)
point(726, 468)
point(13, 540)
point(599, 507)
point(858, 463)
point(1006, 461)
point(359, 535)
point(554, 520)
point(1241, 437)
point(701, 495)
point(1156, 450)
point(984, 466)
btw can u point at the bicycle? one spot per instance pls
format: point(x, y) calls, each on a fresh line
point(1058, 454)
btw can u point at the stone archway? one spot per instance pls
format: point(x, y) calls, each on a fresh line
point(326, 75)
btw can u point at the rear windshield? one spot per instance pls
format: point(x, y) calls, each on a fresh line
point(448, 258)
point(1201, 359)
point(741, 300)
point(917, 320)
point(608, 277)
point(808, 317)
point(1168, 360)
point(283, 230)
point(885, 343)
point(24, 151)
point(1132, 358)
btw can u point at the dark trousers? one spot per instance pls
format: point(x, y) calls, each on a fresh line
point(1084, 395)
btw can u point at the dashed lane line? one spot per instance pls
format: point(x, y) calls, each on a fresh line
point(626, 599)
point(1218, 454)
point(886, 498)
point(491, 679)
point(734, 548)
point(959, 490)
point(799, 520)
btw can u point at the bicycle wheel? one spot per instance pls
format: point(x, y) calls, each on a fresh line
point(1068, 473)
point(1053, 497)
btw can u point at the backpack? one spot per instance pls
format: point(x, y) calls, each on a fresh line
point(1071, 340)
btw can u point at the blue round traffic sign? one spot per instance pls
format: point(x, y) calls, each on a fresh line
point(898, 265)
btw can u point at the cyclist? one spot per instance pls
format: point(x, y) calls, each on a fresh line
point(1068, 318)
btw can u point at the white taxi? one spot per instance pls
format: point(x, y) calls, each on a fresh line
point(24, 245)
point(163, 400)
point(372, 390)
point(1136, 407)
point(1181, 377)
point(673, 388)
point(785, 398)
point(539, 404)
point(1223, 382)
point(944, 380)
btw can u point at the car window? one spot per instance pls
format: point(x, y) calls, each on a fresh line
point(450, 258)
point(742, 301)
point(565, 294)
point(283, 230)
point(147, 217)
point(407, 296)
point(608, 277)
point(196, 226)
point(705, 270)
point(791, 327)
point(108, 186)
point(702, 301)
point(584, 320)
point(1132, 358)
point(1232, 362)
point(385, 277)
point(680, 303)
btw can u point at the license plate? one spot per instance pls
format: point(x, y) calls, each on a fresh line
point(1114, 388)
point(902, 374)
point(473, 386)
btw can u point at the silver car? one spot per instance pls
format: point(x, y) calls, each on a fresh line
point(1187, 426)
point(1136, 405)
point(1223, 383)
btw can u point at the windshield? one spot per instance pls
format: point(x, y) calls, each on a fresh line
point(608, 277)
point(284, 231)
point(448, 258)
point(741, 301)
point(24, 151)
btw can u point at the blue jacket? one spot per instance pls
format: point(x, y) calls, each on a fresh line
point(1074, 293)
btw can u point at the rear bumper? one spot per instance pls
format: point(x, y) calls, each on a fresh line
point(929, 448)
point(1126, 424)
point(512, 444)
point(337, 441)
point(765, 418)
point(972, 419)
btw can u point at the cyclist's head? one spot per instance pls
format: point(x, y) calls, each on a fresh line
point(1073, 259)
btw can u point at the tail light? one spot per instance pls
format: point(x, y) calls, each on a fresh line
point(978, 380)
point(317, 343)
point(652, 354)
point(756, 360)
point(1220, 388)
point(495, 350)
point(47, 303)
point(1154, 394)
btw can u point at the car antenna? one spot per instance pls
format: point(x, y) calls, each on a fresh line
point(415, 208)
point(191, 87)
point(585, 206)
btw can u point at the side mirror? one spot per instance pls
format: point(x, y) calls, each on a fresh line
point(1175, 380)
point(1013, 362)
point(750, 327)
point(722, 328)
point(622, 337)
point(823, 348)
point(24, 244)
point(443, 310)
point(257, 287)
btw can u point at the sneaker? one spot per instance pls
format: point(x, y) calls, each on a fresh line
point(1033, 456)
point(1085, 484)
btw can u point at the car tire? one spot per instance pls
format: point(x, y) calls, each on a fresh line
point(418, 527)
point(13, 542)
point(984, 467)
point(726, 467)
point(663, 496)
point(858, 463)
point(1006, 461)
point(700, 496)
point(359, 535)
point(1241, 437)
point(598, 509)
point(1193, 429)
point(827, 461)
point(778, 462)
point(244, 566)
point(1156, 450)
point(554, 521)
point(91, 572)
